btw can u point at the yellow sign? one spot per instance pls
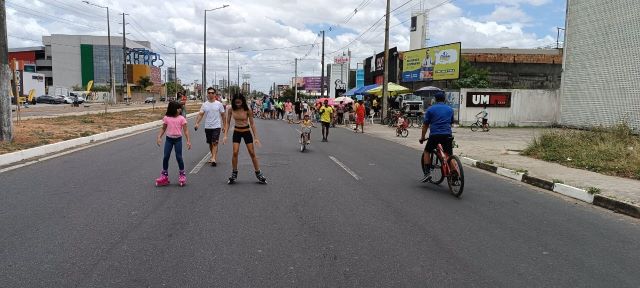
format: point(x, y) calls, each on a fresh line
point(433, 63)
point(89, 86)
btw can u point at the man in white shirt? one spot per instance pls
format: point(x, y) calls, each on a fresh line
point(213, 112)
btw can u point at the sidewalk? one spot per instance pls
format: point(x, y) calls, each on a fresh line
point(502, 147)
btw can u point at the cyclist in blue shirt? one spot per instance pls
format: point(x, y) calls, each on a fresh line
point(438, 118)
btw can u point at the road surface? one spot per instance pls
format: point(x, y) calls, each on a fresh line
point(95, 219)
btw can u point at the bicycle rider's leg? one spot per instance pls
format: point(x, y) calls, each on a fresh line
point(426, 156)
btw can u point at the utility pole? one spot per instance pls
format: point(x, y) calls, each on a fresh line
point(6, 126)
point(295, 82)
point(125, 81)
point(228, 76)
point(558, 37)
point(238, 78)
point(385, 83)
point(322, 63)
point(112, 84)
point(204, 64)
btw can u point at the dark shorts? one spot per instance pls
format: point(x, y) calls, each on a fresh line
point(485, 121)
point(445, 140)
point(326, 124)
point(213, 135)
point(238, 136)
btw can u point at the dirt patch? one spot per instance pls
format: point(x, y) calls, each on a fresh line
point(38, 132)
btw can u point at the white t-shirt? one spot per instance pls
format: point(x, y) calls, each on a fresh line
point(212, 117)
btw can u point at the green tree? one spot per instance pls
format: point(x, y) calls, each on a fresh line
point(173, 88)
point(145, 82)
point(101, 88)
point(472, 77)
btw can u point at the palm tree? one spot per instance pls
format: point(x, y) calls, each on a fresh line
point(145, 82)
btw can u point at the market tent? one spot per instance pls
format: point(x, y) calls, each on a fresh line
point(351, 92)
point(363, 89)
point(394, 89)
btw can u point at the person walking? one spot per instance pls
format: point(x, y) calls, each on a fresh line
point(298, 109)
point(244, 129)
point(213, 112)
point(174, 125)
point(288, 110)
point(360, 116)
point(183, 102)
point(340, 111)
point(326, 118)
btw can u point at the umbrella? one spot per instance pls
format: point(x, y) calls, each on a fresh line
point(393, 88)
point(363, 89)
point(345, 100)
point(351, 92)
point(427, 91)
point(321, 101)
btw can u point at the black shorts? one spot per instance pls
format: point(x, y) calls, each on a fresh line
point(445, 140)
point(485, 121)
point(213, 135)
point(238, 136)
point(326, 124)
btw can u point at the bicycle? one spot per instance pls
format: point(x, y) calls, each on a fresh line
point(391, 119)
point(451, 169)
point(478, 124)
point(304, 138)
point(401, 129)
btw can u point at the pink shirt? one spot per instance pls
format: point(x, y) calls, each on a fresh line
point(174, 125)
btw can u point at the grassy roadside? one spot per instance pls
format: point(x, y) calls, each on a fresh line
point(38, 132)
point(614, 151)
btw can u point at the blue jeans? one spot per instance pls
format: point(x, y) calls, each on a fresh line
point(170, 144)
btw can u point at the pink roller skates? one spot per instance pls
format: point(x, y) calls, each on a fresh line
point(163, 180)
point(182, 179)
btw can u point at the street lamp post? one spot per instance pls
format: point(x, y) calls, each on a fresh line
point(175, 65)
point(111, 76)
point(229, 71)
point(204, 65)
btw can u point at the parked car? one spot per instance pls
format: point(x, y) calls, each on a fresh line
point(149, 100)
point(192, 97)
point(75, 96)
point(67, 99)
point(49, 99)
point(162, 98)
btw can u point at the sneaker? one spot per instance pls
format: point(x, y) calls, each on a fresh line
point(426, 178)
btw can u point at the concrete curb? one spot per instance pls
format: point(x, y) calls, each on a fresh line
point(566, 190)
point(35, 152)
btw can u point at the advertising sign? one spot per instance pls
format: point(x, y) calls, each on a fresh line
point(341, 60)
point(489, 99)
point(312, 83)
point(433, 63)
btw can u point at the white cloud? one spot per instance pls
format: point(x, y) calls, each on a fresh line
point(255, 24)
point(508, 14)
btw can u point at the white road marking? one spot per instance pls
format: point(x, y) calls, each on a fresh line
point(201, 163)
point(353, 174)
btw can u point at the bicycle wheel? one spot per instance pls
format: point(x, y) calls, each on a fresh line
point(436, 172)
point(437, 175)
point(456, 177)
point(404, 133)
point(475, 127)
point(303, 144)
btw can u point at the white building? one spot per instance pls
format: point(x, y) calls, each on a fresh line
point(77, 58)
point(601, 74)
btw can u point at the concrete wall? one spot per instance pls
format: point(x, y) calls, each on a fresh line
point(601, 78)
point(528, 108)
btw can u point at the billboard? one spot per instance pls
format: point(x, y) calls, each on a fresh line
point(489, 99)
point(433, 63)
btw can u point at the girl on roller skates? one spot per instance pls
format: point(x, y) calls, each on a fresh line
point(244, 129)
point(173, 124)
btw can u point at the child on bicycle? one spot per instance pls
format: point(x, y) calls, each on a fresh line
point(305, 127)
point(402, 124)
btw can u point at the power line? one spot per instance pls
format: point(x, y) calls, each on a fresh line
point(40, 14)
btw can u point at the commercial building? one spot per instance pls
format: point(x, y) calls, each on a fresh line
point(72, 60)
point(374, 67)
point(601, 78)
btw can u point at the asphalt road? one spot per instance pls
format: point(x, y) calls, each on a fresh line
point(95, 219)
